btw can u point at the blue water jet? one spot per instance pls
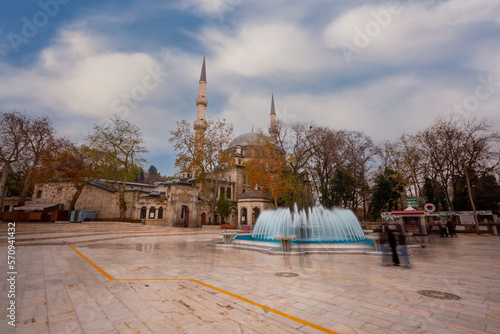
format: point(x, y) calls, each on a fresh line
point(314, 225)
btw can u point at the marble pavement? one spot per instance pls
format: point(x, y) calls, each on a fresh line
point(119, 278)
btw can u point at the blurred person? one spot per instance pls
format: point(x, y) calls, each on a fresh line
point(442, 229)
point(393, 243)
point(403, 249)
point(384, 247)
point(451, 228)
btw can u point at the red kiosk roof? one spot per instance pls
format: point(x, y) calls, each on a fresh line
point(409, 213)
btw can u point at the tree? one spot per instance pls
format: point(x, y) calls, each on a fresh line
point(267, 168)
point(386, 193)
point(343, 187)
point(208, 157)
point(434, 193)
point(68, 162)
point(12, 145)
point(298, 141)
point(152, 171)
point(223, 206)
point(325, 161)
point(40, 137)
point(118, 143)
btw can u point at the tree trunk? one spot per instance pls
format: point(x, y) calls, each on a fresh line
point(122, 202)
point(26, 188)
point(76, 195)
point(3, 181)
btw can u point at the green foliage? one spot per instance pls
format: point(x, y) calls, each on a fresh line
point(434, 193)
point(386, 193)
point(344, 186)
point(223, 206)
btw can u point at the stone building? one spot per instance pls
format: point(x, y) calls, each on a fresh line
point(177, 202)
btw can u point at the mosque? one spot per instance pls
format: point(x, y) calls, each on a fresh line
point(172, 203)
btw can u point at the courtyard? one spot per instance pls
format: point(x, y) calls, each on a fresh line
point(82, 278)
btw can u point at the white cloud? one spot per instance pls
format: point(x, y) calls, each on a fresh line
point(411, 33)
point(263, 49)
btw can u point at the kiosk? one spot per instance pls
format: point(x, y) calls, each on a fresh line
point(413, 221)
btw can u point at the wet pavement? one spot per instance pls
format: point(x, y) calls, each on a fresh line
point(178, 282)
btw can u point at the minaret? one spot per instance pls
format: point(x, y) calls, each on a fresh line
point(273, 130)
point(200, 125)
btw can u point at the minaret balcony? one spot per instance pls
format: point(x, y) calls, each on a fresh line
point(200, 124)
point(201, 100)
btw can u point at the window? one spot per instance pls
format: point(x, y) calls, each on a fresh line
point(160, 213)
point(39, 194)
point(152, 212)
point(228, 192)
point(143, 213)
point(222, 191)
point(182, 212)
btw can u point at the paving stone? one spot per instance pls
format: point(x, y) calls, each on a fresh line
point(58, 291)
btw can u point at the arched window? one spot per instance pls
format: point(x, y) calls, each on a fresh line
point(143, 212)
point(152, 212)
point(160, 213)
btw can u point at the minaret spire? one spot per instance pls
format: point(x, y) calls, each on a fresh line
point(273, 130)
point(203, 75)
point(273, 111)
point(200, 125)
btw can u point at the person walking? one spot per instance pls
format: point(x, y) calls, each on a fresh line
point(384, 247)
point(403, 249)
point(391, 239)
point(442, 229)
point(451, 228)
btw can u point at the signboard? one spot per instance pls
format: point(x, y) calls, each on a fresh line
point(429, 207)
point(449, 213)
point(460, 228)
point(467, 219)
point(412, 202)
point(483, 228)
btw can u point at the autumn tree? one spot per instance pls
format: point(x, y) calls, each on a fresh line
point(208, 156)
point(118, 146)
point(68, 162)
point(267, 168)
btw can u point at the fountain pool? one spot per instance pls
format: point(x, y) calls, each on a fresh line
point(314, 225)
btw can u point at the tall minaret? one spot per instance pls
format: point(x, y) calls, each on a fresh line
point(200, 125)
point(273, 130)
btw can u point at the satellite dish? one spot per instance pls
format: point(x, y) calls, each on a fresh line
point(429, 207)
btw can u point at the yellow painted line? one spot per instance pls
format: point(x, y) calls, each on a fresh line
point(307, 323)
point(92, 263)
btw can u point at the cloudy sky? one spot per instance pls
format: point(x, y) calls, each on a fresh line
point(383, 68)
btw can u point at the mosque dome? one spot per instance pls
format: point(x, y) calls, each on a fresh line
point(246, 139)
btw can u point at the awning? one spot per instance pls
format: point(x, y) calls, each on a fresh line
point(409, 213)
point(38, 207)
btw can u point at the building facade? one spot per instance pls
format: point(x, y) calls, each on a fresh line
point(178, 202)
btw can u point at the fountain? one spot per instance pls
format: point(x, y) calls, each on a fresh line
point(314, 225)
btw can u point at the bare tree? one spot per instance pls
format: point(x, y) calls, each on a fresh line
point(12, 145)
point(208, 156)
point(119, 144)
point(40, 137)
